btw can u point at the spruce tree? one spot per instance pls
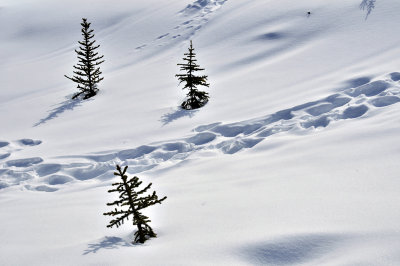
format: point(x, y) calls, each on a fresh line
point(87, 71)
point(132, 199)
point(195, 98)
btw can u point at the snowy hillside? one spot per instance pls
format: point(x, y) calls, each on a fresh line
point(294, 160)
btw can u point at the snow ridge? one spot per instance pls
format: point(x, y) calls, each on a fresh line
point(35, 174)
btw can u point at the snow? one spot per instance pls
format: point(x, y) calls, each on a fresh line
point(294, 160)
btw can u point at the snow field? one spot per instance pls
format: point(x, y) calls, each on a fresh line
point(294, 161)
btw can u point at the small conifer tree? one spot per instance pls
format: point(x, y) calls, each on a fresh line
point(195, 98)
point(132, 199)
point(87, 73)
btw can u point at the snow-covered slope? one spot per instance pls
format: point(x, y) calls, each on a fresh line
point(292, 162)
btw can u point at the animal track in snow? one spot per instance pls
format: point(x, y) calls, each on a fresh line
point(194, 17)
point(16, 171)
point(354, 102)
point(9, 148)
point(4, 155)
point(199, 13)
point(3, 144)
point(203, 6)
point(29, 142)
point(24, 162)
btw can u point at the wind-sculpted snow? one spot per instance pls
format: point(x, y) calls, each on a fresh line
point(355, 102)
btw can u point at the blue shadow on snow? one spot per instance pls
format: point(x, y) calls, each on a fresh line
point(109, 242)
point(298, 249)
point(176, 114)
point(69, 104)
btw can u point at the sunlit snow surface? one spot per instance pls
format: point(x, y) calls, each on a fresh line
point(294, 161)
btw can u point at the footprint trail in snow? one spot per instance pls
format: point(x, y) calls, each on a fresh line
point(36, 174)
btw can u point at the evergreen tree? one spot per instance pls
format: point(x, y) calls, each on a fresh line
point(195, 98)
point(135, 203)
point(87, 73)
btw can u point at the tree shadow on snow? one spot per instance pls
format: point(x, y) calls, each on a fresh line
point(367, 5)
point(176, 114)
point(68, 104)
point(109, 242)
